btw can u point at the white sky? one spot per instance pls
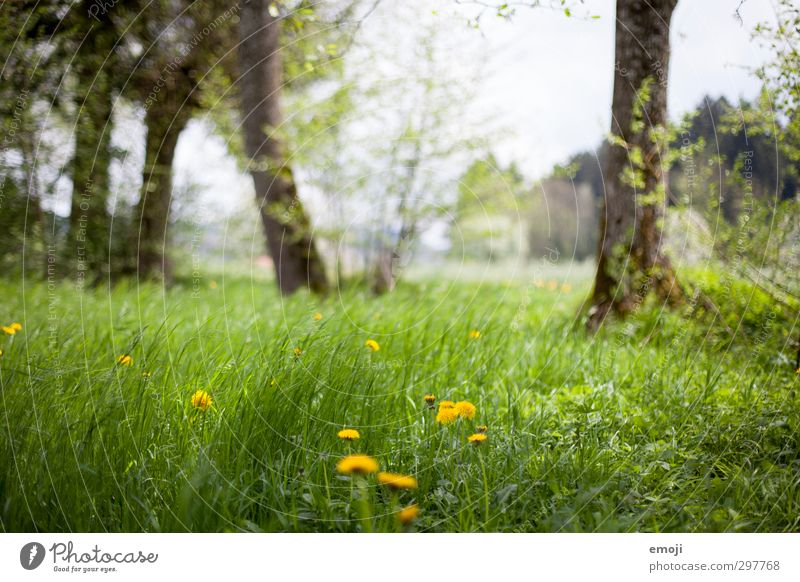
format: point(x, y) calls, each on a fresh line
point(548, 79)
point(553, 75)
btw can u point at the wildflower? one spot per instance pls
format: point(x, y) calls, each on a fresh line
point(372, 345)
point(465, 409)
point(474, 334)
point(359, 464)
point(552, 285)
point(447, 415)
point(429, 400)
point(408, 514)
point(317, 316)
point(16, 326)
point(201, 399)
point(476, 438)
point(212, 284)
point(447, 404)
point(566, 287)
point(9, 330)
point(348, 434)
point(397, 481)
point(125, 360)
point(298, 352)
point(481, 428)
point(539, 284)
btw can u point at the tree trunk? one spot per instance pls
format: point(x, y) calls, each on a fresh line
point(89, 219)
point(383, 279)
point(392, 256)
point(732, 204)
point(286, 225)
point(165, 119)
point(389, 266)
point(90, 225)
point(631, 262)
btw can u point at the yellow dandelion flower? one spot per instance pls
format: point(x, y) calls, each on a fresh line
point(348, 434)
point(212, 284)
point(474, 334)
point(298, 352)
point(125, 360)
point(566, 287)
point(16, 326)
point(465, 409)
point(476, 438)
point(359, 464)
point(429, 400)
point(538, 284)
point(552, 285)
point(201, 399)
point(397, 481)
point(317, 316)
point(372, 345)
point(447, 416)
point(408, 514)
point(481, 428)
point(447, 404)
point(8, 329)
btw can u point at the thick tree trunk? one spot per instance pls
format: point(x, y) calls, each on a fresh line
point(87, 253)
point(89, 218)
point(631, 262)
point(165, 120)
point(287, 228)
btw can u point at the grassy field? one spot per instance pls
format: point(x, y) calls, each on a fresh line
point(666, 422)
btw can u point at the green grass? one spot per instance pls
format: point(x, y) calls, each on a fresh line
point(660, 423)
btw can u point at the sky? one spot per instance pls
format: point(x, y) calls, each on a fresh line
point(554, 75)
point(546, 80)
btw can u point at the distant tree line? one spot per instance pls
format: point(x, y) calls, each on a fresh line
point(69, 65)
point(559, 214)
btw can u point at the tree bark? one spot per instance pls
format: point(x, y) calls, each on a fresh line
point(89, 219)
point(631, 261)
point(90, 226)
point(286, 225)
point(165, 119)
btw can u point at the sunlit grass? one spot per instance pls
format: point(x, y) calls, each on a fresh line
point(228, 415)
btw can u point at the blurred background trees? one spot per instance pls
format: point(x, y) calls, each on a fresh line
point(167, 61)
point(181, 50)
point(379, 157)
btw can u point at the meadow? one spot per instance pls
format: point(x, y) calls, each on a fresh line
point(226, 413)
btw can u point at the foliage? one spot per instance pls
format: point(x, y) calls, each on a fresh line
point(385, 142)
point(487, 215)
point(747, 178)
point(781, 76)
